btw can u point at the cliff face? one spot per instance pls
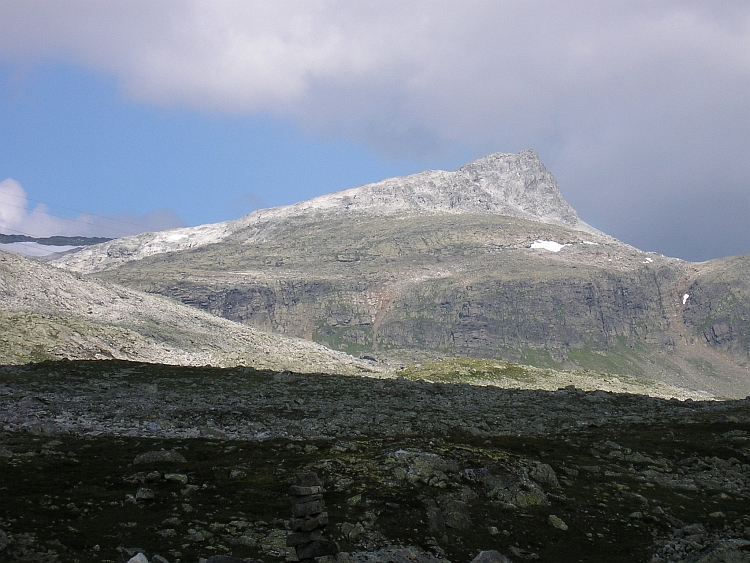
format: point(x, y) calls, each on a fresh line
point(718, 306)
point(487, 261)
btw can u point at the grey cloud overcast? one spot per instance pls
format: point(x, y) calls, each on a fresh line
point(640, 109)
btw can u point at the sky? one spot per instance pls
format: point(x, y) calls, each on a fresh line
point(120, 117)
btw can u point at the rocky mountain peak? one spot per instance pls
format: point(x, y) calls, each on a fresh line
point(522, 183)
point(515, 185)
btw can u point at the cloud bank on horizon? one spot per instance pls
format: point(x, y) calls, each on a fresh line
point(638, 108)
point(16, 217)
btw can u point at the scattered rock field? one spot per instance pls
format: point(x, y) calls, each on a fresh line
point(100, 461)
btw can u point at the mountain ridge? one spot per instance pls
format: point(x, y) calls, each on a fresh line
point(514, 185)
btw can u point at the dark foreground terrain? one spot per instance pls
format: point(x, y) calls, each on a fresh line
point(413, 471)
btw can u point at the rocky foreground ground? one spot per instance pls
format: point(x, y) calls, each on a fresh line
point(101, 460)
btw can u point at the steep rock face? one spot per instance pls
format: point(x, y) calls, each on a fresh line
point(718, 305)
point(514, 185)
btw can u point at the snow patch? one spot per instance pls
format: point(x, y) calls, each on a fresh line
point(550, 245)
point(648, 260)
point(685, 298)
point(590, 242)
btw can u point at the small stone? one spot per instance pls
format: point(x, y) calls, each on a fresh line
point(189, 489)
point(306, 498)
point(490, 556)
point(717, 514)
point(301, 538)
point(355, 500)
point(298, 491)
point(225, 559)
point(545, 475)
point(456, 514)
point(493, 530)
point(308, 508)
point(167, 533)
point(533, 497)
point(307, 480)
point(317, 549)
point(557, 522)
point(522, 553)
point(637, 515)
point(145, 493)
point(198, 535)
point(176, 478)
point(162, 456)
point(237, 474)
point(246, 541)
point(356, 531)
point(435, 519)
point(138, 558)
point(308, 524)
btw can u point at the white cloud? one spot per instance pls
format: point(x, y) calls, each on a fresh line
point(415, 76)
point(17, 218)
point(462, 61)
point(12, 203)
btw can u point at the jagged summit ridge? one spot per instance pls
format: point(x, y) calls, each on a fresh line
point(516, 185)
point(522, 182)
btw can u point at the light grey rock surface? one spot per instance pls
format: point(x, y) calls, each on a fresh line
point(47, 313)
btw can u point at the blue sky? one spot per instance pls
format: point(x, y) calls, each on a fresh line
point(74, 142)
point(146, 115)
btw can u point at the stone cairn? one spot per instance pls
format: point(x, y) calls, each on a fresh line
point(309, 519)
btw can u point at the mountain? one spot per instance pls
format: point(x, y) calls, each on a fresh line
point(488, 261)
point(499, 184)
point(46, 313)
